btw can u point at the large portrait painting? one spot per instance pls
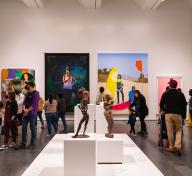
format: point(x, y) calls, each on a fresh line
point(119, 72)
point(65, 74)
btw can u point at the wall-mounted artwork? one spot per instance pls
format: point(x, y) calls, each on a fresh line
point(119, 72)
point(162, 83)
point(12, 79)
point(66, 73)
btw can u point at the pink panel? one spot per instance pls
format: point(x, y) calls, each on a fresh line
point(163, 83)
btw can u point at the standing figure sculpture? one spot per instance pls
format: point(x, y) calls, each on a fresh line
point(84, 97)
point(108, 103)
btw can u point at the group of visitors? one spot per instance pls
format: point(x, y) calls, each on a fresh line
point(137, 108)
point(23, 110)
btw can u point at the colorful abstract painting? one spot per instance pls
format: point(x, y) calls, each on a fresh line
point(66, 74)
point(12, 79)
point(119, 72)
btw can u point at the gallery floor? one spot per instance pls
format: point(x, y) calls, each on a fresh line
point(14, 163)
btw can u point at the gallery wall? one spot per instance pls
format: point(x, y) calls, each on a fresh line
point(120, 26)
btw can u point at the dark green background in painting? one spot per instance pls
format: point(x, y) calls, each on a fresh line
point(55, 65)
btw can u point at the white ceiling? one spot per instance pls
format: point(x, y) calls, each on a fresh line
point(94, 4)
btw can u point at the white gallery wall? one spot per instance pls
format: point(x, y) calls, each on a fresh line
point(119, 26)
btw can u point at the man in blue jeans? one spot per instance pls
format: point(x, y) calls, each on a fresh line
point(29, 115)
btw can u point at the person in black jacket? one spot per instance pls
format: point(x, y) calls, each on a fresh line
point(141, 110)
point(10, 120)
point(173, 103)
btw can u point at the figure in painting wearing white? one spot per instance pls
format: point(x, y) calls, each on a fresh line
point(68, 82)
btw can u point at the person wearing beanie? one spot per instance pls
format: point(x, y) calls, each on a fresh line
point(173, 103)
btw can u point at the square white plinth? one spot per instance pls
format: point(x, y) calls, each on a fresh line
point(101, 123)
point(80, 157)
point(50, 161)
point(109, 150)
point(78, 116)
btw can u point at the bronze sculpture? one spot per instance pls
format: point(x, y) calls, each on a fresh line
point(108, 103)
point(83, 94)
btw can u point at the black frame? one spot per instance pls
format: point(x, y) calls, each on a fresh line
point(65, 54)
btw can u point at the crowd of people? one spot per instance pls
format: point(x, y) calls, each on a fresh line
point(173, 110)
point(23, 110)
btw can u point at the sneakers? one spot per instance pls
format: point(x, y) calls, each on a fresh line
point(4, 147)
point(12, 145)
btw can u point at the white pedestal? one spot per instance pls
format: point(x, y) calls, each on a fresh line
point(109, 150)
point(101, 123)
point(78, 116)
point(80, 157)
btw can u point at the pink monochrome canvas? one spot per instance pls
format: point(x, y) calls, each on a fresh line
point(163, 83)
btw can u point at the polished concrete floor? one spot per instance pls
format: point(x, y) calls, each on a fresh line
point(13, 163)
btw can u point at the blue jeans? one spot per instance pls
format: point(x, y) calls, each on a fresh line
point(51, 119)
point(31, 120)
point(62, 116)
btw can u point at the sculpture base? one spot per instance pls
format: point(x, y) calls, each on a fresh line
point(81, 136)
